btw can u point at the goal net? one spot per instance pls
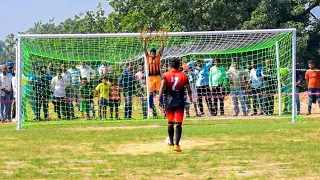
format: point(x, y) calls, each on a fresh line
point(104, 76)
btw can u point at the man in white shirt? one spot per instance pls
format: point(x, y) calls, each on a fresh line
point(237, 78)
point(58, 87)
point(5, 94)
point(86, 71)
point(256, 82)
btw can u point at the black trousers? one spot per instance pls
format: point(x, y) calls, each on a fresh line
point(218, 93)
point(204, 91)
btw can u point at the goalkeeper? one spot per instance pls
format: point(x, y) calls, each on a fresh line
point(154, 67)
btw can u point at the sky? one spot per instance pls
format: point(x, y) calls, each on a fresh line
point(20, 15)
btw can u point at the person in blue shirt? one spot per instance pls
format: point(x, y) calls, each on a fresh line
point(202, 83)
point(126, 81)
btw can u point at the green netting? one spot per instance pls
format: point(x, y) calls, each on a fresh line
point(117, 51)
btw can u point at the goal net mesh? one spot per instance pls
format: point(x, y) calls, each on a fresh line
point(105, 77)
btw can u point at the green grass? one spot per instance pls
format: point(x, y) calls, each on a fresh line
point(221, 149)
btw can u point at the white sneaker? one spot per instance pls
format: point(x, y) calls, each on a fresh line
point(14, 120)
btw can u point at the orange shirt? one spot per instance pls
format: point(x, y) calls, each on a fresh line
point(154, 65)
point(114, 92)
point(313, 78)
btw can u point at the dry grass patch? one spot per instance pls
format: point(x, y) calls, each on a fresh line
point(159, 147)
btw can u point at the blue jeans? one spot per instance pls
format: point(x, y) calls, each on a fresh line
point(238, 94)
point(144, 106)
point(313, 93)
point(128, 104)
point(92, 108)
point(298, 99)
point(5, 106)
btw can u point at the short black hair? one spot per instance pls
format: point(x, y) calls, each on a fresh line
point(311, 62)
point(153, 50)
point(175, 63)
point(218, 60)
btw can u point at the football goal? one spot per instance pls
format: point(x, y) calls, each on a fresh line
point(233, 74)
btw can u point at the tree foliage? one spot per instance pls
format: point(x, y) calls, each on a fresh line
point(198, 15)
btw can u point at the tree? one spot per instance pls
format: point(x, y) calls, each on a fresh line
point(290, 14)
point(8, 49)
point(1, 51)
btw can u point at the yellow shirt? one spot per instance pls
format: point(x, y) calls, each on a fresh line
point(103, 90)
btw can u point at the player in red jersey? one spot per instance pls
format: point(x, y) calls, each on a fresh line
point(172, 84)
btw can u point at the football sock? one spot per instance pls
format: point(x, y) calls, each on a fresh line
point(178, 133)
point(171, 132)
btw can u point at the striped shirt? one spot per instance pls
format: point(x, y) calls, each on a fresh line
point(114, 92)
point(75, 76)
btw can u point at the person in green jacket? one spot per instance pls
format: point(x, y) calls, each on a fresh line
point(217, 84)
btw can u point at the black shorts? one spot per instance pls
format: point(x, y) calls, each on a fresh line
point(114, 103)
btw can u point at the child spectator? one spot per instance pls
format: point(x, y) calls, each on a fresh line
point(104, 91)
point(85, 95)
point(115, 98)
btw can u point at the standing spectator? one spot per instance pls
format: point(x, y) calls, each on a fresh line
point(58, 87)
point(41, 90)
point(104, 92)
point(141, 88)
point(126, 81)
point(202, 84)
point(313, 78)
point(85, 94)
point(50, 70)
point(268, 88)
point(75, 83)
point(237, 86)
point(115, 98)
point(69, 109)
point(256, 82)
point(5, 94)
point(14, 90)
point(218, 83)
point(102, 70)
point(192, 77)
point(86, 72)
point(247, 92)
point(299, 79)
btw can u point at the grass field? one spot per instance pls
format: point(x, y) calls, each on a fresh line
point(212, 149)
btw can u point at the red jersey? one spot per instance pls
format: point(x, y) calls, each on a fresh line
point(176, 80)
